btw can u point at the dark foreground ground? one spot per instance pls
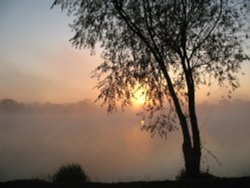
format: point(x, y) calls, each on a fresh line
point(243, 182)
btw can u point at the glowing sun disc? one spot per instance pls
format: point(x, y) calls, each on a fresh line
point(139, 97)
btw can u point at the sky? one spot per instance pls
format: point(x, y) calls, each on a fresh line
point(38, 65)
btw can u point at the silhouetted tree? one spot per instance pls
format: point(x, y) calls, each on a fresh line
point(169, 47)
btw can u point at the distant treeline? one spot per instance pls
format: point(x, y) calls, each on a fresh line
point(86, 105)
point(10, 105)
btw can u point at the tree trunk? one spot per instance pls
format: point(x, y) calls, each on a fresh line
point(193, 168)
point(192, 155)
point(191, 142)
point(196, 150)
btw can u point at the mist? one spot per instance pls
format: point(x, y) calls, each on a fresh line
point(35, 139)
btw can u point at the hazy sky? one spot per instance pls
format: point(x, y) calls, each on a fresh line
point(38, 63)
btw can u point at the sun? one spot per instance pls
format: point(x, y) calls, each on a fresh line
point(139, 96)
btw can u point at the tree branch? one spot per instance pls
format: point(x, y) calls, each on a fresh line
point(209, 33)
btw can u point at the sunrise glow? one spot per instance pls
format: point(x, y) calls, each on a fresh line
point(139, 96)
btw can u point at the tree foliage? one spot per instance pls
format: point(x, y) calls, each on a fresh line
point(133, 34)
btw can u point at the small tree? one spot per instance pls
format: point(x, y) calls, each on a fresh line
point(168, 47)
point(70, 172)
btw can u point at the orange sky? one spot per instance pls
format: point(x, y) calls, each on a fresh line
point(38, 63)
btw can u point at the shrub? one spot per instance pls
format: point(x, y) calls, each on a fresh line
point(70, 172)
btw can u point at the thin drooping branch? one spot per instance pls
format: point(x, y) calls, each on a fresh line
point(197, 47)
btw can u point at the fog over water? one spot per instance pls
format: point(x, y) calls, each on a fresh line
point(35, 139)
